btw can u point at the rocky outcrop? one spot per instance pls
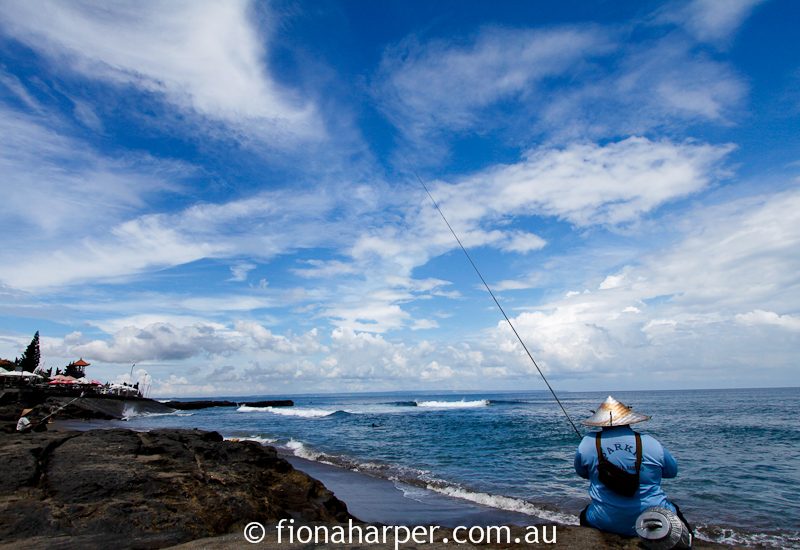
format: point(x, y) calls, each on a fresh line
point(146, 489)
point(88, 407)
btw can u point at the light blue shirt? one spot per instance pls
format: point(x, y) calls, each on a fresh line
point(608, 510)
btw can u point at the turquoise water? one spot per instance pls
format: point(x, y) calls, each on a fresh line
point(738, 451)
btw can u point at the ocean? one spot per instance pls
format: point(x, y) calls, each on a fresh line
point(738, 451)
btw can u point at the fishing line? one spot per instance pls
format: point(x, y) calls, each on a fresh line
point(475, 267)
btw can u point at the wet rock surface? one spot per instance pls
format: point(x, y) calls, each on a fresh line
point(205, 404)
point(146, 489)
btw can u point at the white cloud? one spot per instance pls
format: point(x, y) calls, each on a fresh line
point(612, 281)
point(129, 248)
point(164, 341)
point(436, 372)
point(57, 185)
point(656, 86)
point(159, 341)
point(681, 308)
point(522, 242)
point(375, 314)
point(240, 270)
point(567, 83)
point(260, 227)
point(205, 57)
point(586, 184)
point(761, 317)
point(424, 324)
point(447, 84)
point(226, 303)
point(18, 89)
point(142, 320)
point(322, 269)
point(709, 20)
point(516, 284)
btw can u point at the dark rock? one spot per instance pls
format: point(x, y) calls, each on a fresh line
point(282, 403)
point(147, 489)
point(194, 405)
point(75, 407)
point(205, 404)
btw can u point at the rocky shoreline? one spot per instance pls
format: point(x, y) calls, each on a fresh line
point(146, 489)
point(104, 407)
point(157, 489)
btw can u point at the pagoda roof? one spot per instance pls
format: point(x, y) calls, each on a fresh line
point(81, 363)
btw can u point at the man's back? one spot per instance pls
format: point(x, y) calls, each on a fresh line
point(608, 510)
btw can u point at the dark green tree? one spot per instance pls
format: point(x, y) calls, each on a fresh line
point(30, 359)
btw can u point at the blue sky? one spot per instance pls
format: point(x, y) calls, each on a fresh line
point(224, 193)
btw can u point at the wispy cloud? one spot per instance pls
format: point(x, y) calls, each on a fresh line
point(426, 88)
point(240, 270)
point(707, 20)
point(435, 85)
point(58, 185)
point(588, 184)
point(261, 227)
point(19, 91)
point(322, 269)
point(560, 83)
point(203, 57)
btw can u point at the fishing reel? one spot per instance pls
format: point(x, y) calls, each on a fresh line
point(662, 529)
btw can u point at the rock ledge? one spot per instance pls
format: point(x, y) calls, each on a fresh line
point(147, 489)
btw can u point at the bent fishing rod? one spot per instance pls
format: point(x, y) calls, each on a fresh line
point(497, 303)
point(61, 408)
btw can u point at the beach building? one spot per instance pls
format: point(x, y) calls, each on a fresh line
point(76, 369)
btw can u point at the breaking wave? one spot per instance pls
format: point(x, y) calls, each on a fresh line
point(732, 537)
point(463, 404)
point(289, 411)
point(414, 483)
point(299, 449)
point(504, 503)
point(132, 412)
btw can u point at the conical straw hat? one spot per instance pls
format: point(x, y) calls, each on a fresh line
point(613, 413)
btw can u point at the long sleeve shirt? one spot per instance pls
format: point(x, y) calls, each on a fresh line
point(609, 511)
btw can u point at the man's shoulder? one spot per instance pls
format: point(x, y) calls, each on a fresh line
point(648, 439)
point(652, 447)
point(588, 441)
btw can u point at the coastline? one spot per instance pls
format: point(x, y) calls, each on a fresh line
point(377, 500)
point(193, 489)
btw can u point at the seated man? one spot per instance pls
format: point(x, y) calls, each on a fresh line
point(626, 477)
point(26, 424)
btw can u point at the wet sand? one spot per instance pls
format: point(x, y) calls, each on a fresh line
point(376, 500)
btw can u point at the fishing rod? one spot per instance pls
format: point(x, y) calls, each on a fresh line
point(485, 284)
point(61, 408)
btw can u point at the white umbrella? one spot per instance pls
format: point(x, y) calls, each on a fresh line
point(20, 374)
